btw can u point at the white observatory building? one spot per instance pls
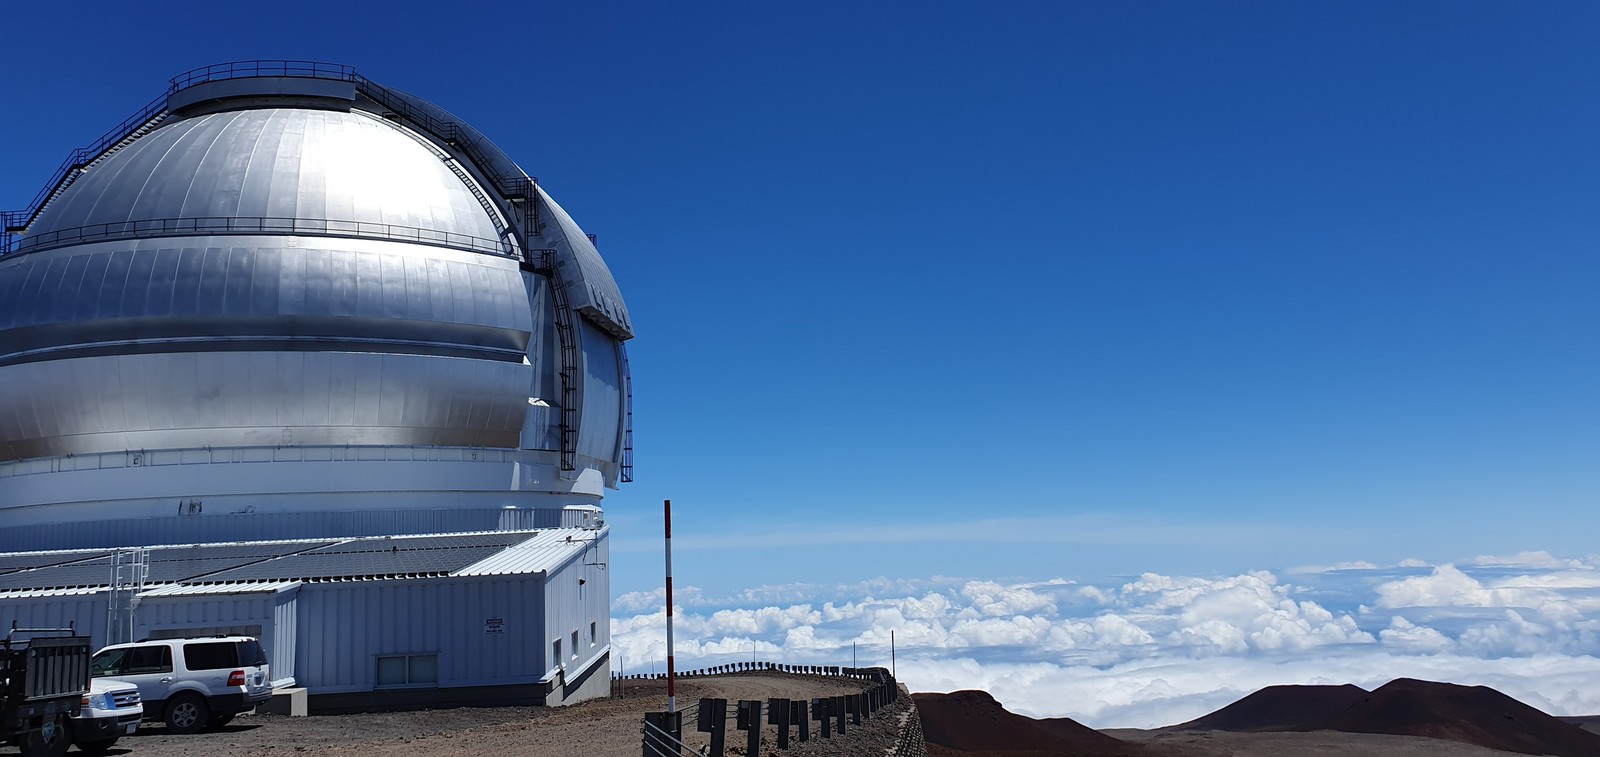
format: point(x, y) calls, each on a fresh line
point(293, 353)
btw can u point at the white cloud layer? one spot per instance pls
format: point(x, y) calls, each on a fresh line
point(1161, 649)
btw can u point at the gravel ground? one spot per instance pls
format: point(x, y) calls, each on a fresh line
point(602, 727)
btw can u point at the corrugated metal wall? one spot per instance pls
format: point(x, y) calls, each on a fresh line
point(574, 606)
point(202, 613)
point(343, 627)
point(285, 614)
point(87, 612)
point(328, 636)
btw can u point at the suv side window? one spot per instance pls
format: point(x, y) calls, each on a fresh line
point(212, 655)
point(145, 660)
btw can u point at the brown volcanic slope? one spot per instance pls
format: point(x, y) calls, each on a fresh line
point(1277, 708)
point(1469, 714)
point(972, 722)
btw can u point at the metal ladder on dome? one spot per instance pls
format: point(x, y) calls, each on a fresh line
point(566, 335)
point(488, 205)
point(130, 568)
point(626, 473)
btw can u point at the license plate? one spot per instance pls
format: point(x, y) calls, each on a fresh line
point(131, 727)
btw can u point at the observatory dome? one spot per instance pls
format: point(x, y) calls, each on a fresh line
point(285, 302)
point(286, 163)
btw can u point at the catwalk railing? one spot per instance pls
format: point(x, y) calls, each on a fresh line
point(225, 225)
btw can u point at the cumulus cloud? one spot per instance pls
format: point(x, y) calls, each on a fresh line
point(1159, 649)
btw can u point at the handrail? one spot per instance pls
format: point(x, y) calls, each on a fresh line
point(219, 225)
point(251, 69)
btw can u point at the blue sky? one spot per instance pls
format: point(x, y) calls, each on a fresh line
point(1026, 291)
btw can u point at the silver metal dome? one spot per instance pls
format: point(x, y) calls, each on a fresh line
point(282, 303)
point(275, 163)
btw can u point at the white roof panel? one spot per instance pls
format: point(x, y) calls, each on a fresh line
point(547, 550)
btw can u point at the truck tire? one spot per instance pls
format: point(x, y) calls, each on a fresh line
point(186, 713)
point(49, 740)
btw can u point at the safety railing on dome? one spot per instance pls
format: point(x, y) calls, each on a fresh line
point(517, 189)
point(252, 69)
point(70, 168)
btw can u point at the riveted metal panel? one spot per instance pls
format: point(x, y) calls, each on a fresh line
point(156, 293)
point(223, 399)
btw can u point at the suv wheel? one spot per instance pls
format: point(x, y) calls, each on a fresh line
point(187, 713)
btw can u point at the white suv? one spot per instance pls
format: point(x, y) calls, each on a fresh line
point(190, 684)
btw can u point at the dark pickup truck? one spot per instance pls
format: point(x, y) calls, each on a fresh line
point(44, 673)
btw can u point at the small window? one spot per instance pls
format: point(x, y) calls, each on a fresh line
point(574, 645)
point(408, 669)
point(391, 671)
point(422, 668)
point(555, 647)
point(593, 638)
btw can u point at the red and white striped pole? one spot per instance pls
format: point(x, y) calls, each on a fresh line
point(672, 677)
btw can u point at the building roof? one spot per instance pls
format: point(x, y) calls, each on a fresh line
point(251, 567)
point(543, 553)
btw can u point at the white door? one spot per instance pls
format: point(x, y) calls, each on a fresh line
point(149, 668)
